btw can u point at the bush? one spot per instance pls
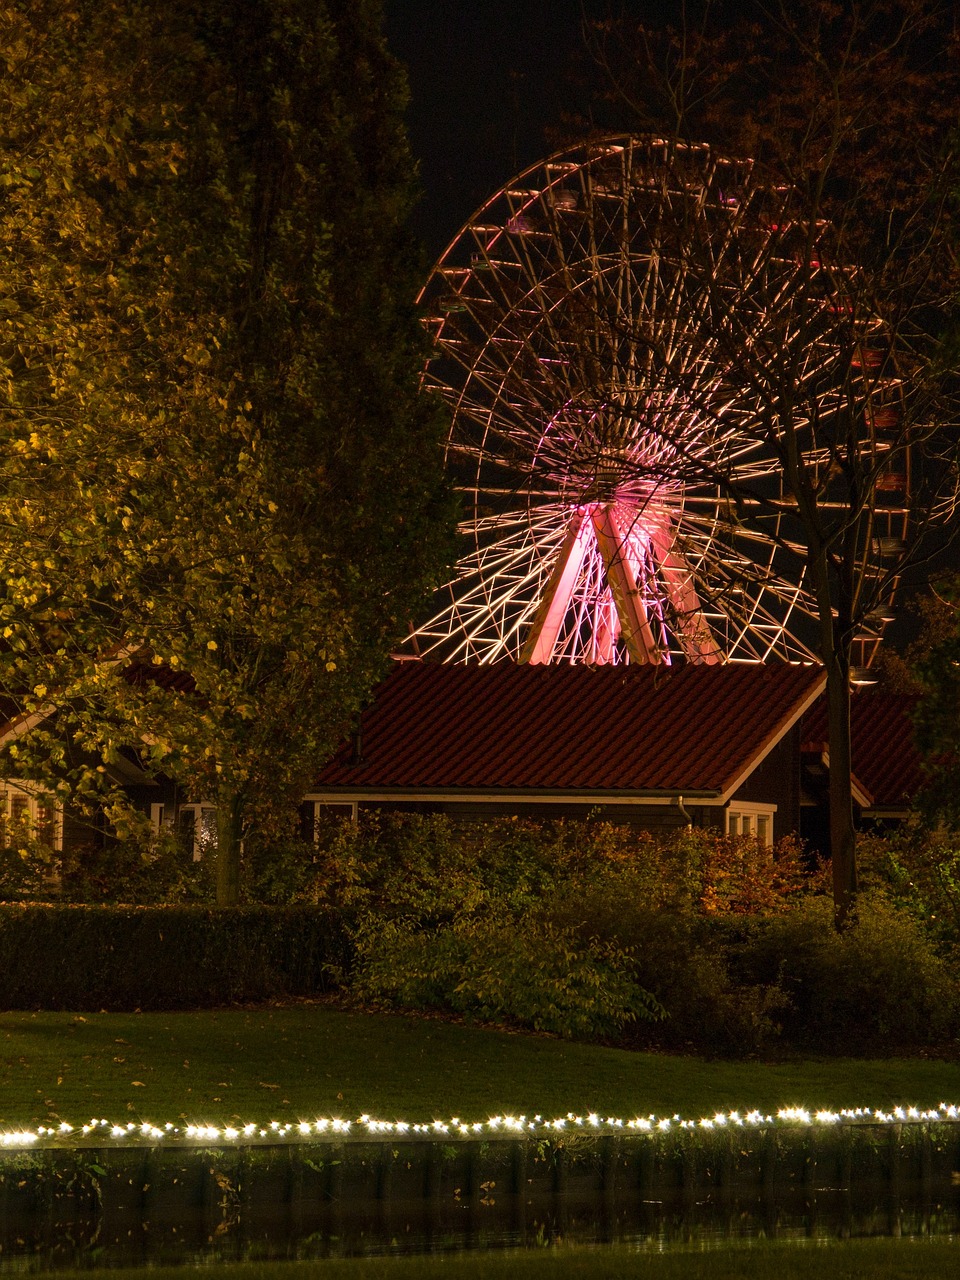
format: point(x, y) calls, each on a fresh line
point(134, 872)
point(27, 872)
point(127, 958)
point(683, 959)
point(129, 871)
point(579, 929)
point(528, 972)
point(879, 985)
point(920, 871)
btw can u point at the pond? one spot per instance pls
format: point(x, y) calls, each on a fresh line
point(118, 1208)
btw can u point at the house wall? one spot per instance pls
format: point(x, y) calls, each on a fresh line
point(643, 817)
point(776, 780)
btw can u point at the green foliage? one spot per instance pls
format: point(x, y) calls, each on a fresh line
point(215, 460)
point(127, 958)
point(432, 865)
point(688, 942)
point(733, 941)
point(28, 871)
point(919, 870)
point(577, 928)
point(457, 918)
point(129, 871)
point(684, 960)
point(879, 984)
point(135, 871)
point(528, 971)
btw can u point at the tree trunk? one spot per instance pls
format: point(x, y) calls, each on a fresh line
point(843, 839)
point(835, 651)
point(229, 831)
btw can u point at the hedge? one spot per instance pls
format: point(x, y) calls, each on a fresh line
point(120, 959)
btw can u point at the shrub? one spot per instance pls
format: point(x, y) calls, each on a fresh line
point(133, 872)
point(126, 958)
point(682, 958)
point(529, 972)
point(920, 871)
point(27, 871)
point(879, 985)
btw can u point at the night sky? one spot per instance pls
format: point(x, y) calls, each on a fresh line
point(487, 78)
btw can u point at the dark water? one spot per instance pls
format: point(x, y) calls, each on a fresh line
point(109, 1207)
point(224, 1231)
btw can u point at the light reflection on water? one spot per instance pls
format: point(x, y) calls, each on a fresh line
point(221, 1230)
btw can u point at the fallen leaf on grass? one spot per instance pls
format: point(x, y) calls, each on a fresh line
point(264, 1085)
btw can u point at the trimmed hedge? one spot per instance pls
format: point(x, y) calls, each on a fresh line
point(120, 959)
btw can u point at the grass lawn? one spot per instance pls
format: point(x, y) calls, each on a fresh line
point(839, 1260)
point(310, 1060)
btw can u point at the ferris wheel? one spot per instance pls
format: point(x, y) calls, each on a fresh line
point(603, 330)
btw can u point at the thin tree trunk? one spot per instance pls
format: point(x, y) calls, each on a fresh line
point(229, 831)
point(843, 839)
point(836, 660)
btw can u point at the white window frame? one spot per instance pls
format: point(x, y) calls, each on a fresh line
point(36, 799)
point(329, 802)
point(203, 813)
point(737, 811)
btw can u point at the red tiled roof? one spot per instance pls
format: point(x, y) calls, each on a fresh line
point(885, 757)
point(571, 728)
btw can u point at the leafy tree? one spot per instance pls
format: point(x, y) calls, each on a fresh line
point(848, 113)
point(220, 494)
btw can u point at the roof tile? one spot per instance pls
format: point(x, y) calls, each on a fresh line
point(546, 728)
point(885, 757)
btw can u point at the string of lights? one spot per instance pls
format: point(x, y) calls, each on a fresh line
point(365, 1128)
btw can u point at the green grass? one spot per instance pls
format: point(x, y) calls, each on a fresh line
point(838, 1260)
point(305, 1061)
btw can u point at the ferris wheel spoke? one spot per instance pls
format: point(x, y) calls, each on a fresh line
point(554, 604)
point(693, 631)
point(626, 585)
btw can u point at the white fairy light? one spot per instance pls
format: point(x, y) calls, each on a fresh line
point(275, 1131)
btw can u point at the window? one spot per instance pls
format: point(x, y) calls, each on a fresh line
point(197, 826)
point(315, 814)
point(747, 819)
point(27, 814)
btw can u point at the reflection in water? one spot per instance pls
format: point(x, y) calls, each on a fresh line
point(177, 1226)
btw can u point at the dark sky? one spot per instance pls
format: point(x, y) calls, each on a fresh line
point(487, 77)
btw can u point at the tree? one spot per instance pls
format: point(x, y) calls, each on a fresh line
point(848, 112)
point(216, 461)
point(929, 669)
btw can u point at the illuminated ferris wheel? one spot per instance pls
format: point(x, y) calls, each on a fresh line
point(613, 332)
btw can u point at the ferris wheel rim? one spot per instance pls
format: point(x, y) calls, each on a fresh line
point(551, 173)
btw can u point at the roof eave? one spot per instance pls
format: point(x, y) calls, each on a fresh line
point(517, 795)
point(800, 707)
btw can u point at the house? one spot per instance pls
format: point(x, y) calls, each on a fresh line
point(739, 748)
point(26, 811)
point(655, 747)
point(887, 772)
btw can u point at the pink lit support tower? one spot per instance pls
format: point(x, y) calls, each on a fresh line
point(583, 324)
